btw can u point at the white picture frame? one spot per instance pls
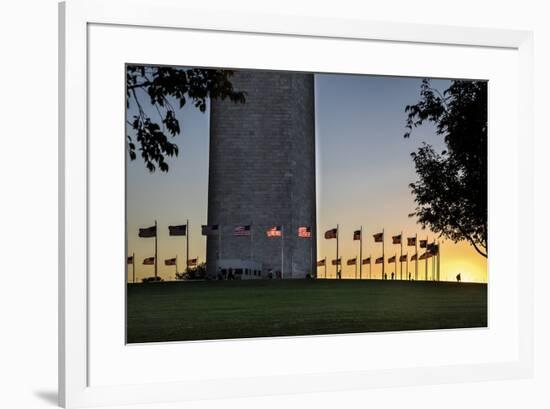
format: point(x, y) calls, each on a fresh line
point(77, 17)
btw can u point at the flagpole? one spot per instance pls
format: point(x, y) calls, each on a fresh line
point(311, 258)
point(134, 268)
point(187, 246)
point(395, 266)
point(383, 255)
point(156, 255)
point(361, 253)
point(282, 251)
point(433, 267)
point(251, 243)
point(407, 278)
point(337, 234)
point(426, 252)
point(325, 267)
point(401, 255)
point(356, 268)
point(416, 261)
point(219, 245)
point(438, 262)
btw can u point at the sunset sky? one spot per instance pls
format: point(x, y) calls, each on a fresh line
point(363, 172)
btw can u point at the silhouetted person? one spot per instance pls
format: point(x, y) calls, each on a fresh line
point(410, 277)
point(458, 278)
point(392, 275)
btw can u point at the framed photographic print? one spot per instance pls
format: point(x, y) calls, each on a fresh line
point(277, 203)
point(288, 204)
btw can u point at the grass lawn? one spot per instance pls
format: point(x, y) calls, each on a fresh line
point(181, 311)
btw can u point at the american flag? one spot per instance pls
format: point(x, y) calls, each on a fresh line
point(423, 243)
point(180, 230)
point(414, 257)
point(352, 261)
point(424, 256)
point(209, 229)
point(380, 260)
point(149, 261)
point(241, 230)
point(433, 249)
point(275, 231)
point(391, 259)
point(304, 231)
point(170, 262)
point(411, 241)
point(403, 257)
point(378, 237)
point(396, 239)
point(366, 260)
point(321, 263)
point(148, 232)
point(339, 262)
point(130, 260)
point(357, 235)
point(331, 234)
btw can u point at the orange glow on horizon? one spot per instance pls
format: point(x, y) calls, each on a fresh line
point(456, 258)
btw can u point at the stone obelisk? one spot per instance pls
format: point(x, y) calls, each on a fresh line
point(262, 174)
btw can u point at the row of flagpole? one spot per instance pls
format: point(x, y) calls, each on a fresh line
point(151, 232)
point(432, 250)
point(183, 230)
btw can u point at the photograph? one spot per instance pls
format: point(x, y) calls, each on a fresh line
point(265, 203)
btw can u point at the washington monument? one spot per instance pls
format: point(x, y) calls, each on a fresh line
point(262, 174)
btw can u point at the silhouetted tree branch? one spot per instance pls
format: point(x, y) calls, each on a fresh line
point(161, 86)
point(451, 193)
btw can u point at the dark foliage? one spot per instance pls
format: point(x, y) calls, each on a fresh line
point(194, 273)
point(162, 88)
point(451, 193)
point(151, 279)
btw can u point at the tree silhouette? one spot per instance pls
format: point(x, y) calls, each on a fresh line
point(451, 192)
point(164, 87)
point(193, 273)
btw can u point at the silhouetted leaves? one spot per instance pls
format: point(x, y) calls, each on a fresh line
point(161, 87)
point(451, 193)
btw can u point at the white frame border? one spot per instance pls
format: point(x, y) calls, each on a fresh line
point(74, 17)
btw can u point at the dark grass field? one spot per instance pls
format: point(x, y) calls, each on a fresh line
point(183, 311)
